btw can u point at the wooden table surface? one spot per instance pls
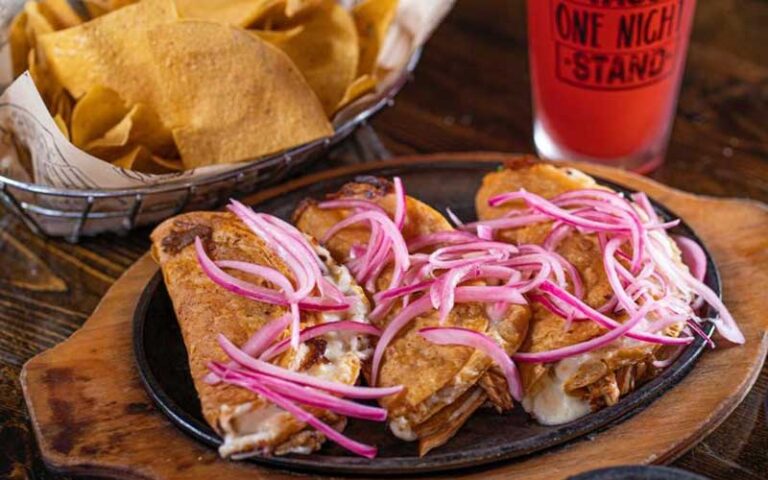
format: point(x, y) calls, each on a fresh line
point(470, 92)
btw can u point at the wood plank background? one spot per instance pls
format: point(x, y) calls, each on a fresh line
point(470, 92)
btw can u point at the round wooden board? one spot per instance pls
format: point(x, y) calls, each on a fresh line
point(91, 414)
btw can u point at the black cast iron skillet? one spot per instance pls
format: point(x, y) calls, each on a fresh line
point(485, 439)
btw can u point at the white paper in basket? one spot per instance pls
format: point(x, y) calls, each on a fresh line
point(58, 163)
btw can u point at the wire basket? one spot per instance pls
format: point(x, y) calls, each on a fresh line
point(72, 214)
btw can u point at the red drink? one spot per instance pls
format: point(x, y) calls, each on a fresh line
point(605, 77)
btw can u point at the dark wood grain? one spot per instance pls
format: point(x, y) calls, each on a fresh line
point(470, 92)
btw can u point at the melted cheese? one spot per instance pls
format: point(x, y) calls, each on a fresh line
point(246, 429)
point(401, 428)
point(550, 404)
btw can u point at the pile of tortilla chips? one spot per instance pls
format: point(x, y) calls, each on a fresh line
point(165, 85)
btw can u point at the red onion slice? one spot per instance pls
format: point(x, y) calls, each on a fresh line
point(258, 342)
point(454, 218)
point(273, 370)
point(318, 330)
point(463, 254)
point(604, 321)
point(548, 304)
point(693, 256)
point(583, 347)
point(367, 451)
point(610, 266)
point(553, 211)
point(622, 212)
point(281, 245)
point(698, 331)
point(724, 323)
point(556, 235)
point(400, 203)
point(306, 395)
point(376, 249)
point(641, 199)
point(248, 290)
point(485, 232)
point(413, 310)
point(233, 284)
point(391, 233)
point(400, 291)
point(267, 273)
point(475, 339)
point(424, 304)
point(441, 293)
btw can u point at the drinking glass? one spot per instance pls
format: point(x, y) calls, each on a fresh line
point(605, 76)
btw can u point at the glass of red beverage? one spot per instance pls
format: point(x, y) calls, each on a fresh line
point(605, 76)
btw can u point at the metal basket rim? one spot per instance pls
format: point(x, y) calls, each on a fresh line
point(339, 134)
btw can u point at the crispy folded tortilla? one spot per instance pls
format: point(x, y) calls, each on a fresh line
point(563, 391)
point(247, 422)
point(443, 384)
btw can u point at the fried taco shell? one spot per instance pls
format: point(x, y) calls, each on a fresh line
point(248, 423)
point(437, 378)
point(565, 390)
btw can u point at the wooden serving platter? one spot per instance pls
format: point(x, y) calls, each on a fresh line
point(91, 414)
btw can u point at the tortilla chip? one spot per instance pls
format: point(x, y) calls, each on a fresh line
point(262, 105)
point(114, 144)
point(17, 38)
point(97, 8)
point(140, 126)
point(62, 105)
point(298, 7)
point(110, 51)
point(94, 8)
point(277, 36)
point(50, 90)
point(37, 23)
point(325, 51)
point(59, 13)
point(59, 121)
point(284, 14)
point(95, 114)
point(34, 71)
point(141, 160)
point(372, 18)
point(148, 129)
point(172, 164)
point(358, 88)
point(238, 13)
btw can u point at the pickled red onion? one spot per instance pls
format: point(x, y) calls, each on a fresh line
point(248, 290)
point(306, 395)
point(424, 304)
point(391, 234)
point(604, 321)
point(259, 341)
point(400, 203)
point(587, 346)
point(318, 330)
point(273, 370)
point(358, 448)
point(693, 256)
